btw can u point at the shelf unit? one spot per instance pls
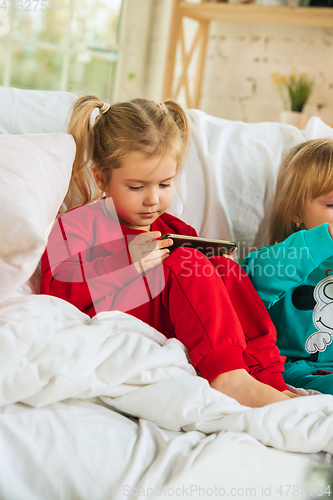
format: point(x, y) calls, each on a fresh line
point(204, 13)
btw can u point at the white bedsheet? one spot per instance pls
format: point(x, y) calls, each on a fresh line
point(80, 450)
point(62, 377)
point(50, 351)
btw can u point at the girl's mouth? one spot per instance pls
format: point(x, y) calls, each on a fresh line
point(147, 214)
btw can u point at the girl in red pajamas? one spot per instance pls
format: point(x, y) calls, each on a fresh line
point(107, 255)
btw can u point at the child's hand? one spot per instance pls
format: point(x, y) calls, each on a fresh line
point(147, 252)
point(231, 256)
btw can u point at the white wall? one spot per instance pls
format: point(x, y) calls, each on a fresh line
point(135, 30)
point(158, 42)
point(240, 58)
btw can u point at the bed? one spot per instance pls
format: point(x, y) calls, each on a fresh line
point(108, 408)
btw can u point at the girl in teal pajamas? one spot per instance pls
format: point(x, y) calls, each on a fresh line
point(294, 273)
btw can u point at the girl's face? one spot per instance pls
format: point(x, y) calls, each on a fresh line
point(318, 211)
point(141, 188)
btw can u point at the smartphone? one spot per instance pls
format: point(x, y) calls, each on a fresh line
point(209, 247)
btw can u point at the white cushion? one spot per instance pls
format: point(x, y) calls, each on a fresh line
point(230, 174)
point(34, 171)
point(34, 111)
point(229, 180)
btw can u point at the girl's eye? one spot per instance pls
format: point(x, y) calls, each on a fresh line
point(165, 185)
point(135, 188)
point(330, 205)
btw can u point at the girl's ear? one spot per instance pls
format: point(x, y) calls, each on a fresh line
point(297, 219)
point(99, 177)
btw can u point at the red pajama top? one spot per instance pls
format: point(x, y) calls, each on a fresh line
point(87, 263)
point(88, 245)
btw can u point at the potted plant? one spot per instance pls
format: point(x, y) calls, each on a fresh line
point(295, 91)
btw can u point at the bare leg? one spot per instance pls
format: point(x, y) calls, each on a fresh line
point(292, 394)
point(248, 391)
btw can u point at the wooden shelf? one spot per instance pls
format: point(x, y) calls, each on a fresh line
point(204, 13)
point(248, 13)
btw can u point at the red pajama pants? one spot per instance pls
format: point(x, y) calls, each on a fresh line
point(211, 306)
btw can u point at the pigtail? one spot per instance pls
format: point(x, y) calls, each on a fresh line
point(183, 123)
point(181, 120)
point(82, 188)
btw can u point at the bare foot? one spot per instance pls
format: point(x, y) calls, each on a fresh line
point(248, 391)
point(292, 394)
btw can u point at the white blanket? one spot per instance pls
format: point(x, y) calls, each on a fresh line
point(50, 351)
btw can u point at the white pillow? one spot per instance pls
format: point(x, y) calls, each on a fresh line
point(35, 172)
point(34, 111)
point(238, 163)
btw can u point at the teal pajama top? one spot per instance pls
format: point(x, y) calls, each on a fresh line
point(294, 279)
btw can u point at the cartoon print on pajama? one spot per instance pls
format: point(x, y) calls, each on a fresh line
point(322, 316)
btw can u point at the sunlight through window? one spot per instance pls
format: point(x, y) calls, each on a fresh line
point(70, 45)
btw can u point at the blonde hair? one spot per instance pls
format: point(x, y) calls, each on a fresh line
point(138, 125)
point(305, 174)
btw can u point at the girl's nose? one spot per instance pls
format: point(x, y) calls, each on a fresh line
point(151, 198)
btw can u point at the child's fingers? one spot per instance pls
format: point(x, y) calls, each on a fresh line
point(152, 259)
point(165, 243)
point(147, 237)
point(152, 245)
point(153, 235)
point(156, 256)
point(165, 255)
point(149, 248)
point(141, 239)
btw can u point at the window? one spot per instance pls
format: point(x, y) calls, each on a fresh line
point(70, 45)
